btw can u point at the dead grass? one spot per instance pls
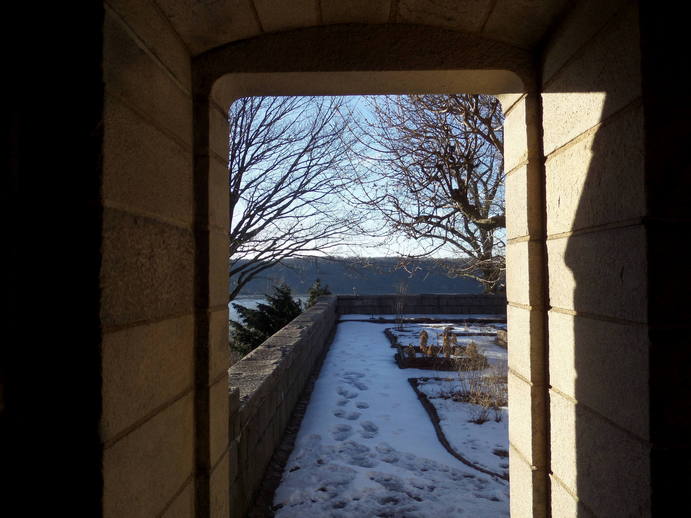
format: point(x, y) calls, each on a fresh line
point(485, 388)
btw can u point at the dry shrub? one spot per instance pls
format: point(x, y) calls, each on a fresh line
point(485, 389)
point(399, 305)
point(448, 338)
point(398, 308)
point(469, 358)
point(496, 388)
point(424, 336)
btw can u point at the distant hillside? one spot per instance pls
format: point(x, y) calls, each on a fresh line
point(365, 276)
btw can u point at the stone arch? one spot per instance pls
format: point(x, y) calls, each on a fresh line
point(412, 59)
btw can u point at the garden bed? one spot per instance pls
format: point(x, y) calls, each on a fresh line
point(430, 405)
point(457, 362)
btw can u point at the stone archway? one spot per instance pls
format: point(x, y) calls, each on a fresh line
point(411, 60)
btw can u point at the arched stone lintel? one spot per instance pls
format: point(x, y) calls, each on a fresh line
point(362, 59)
point(233, 86)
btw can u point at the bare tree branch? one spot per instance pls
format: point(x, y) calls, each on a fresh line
point(287, 162)
point(434, 172)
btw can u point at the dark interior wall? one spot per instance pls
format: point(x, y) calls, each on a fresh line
point(50, 364)
point(665, 62)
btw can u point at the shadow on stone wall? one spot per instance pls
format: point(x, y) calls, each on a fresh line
point(611, 455)
point(606, 456)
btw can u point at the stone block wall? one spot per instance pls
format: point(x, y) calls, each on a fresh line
point(148, 267)
point(426, 304)
point(597, 260)
point(264, 388)
point(577, 266)
point(163, 278)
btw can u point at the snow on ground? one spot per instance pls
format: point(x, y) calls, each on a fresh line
point(367, 447)
point(486, 444)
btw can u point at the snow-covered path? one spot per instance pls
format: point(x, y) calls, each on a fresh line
point(366, 446)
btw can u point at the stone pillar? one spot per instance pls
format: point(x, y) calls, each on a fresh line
point(148, 268)
point(211, 307)
point(526, 297)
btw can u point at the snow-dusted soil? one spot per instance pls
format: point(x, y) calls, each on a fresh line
point(366, 446)
point(409, 334)
point(483, 444)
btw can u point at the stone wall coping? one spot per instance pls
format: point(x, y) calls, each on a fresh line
point(423, 303)
point(261, 365)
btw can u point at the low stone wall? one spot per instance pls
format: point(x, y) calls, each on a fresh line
point(264, 388)
point(422, 304)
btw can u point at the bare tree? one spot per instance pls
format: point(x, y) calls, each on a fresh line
point(286, 161)
point(434, 173)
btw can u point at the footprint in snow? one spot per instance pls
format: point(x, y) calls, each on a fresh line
point(357, 454)
point(342, 402)
point(362, 404)
point(353, 378)
point(341, 432)
point(388, 481)
point(346, 393)
point(369, 430)
point(387, 453)
point(351, 416)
